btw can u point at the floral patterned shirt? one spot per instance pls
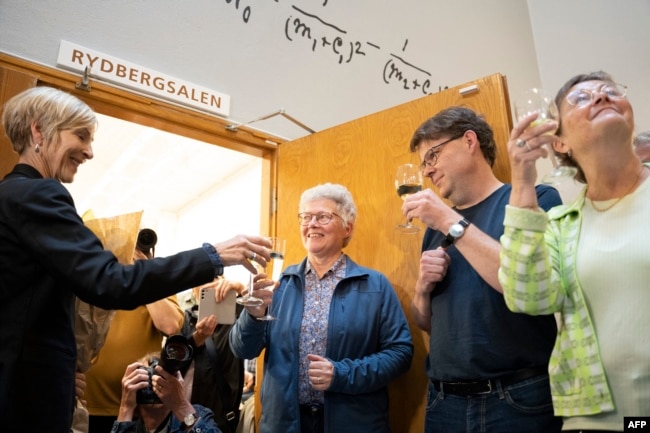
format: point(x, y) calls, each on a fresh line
point(313, 328)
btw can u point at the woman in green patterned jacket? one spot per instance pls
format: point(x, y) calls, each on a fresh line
point(587, 261)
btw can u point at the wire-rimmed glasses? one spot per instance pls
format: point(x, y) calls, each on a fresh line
point(582, 97)
point(431, 157)
point(322, 218)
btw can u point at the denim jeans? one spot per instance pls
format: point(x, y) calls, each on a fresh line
point(523, 407)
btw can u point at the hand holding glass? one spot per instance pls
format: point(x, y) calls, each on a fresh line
point(408, 180)
point(274, 269)
point(247, 299)
point(538, 101)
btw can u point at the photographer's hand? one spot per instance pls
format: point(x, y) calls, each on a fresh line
point(222, 286)
point(171, 392)
point(204, 329)
point(135, 378)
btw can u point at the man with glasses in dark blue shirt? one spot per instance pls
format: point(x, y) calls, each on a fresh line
point(487, 366)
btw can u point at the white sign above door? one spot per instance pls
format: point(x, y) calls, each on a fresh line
point(131, 75)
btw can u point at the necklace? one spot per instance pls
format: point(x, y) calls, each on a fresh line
point(603, 209)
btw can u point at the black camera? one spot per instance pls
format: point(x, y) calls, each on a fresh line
point(175, 356)
point(146, 242)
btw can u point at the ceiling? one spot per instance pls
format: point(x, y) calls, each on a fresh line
point(142, 168)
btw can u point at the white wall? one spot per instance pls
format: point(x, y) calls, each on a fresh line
point(207, 42)
point(232, 209)
point(579, 36)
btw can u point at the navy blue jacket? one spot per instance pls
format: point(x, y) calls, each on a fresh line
point(47, 256)
point(369, 343)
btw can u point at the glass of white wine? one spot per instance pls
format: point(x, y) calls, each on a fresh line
point(274, 269)
point(408, 180)
point(539, 101)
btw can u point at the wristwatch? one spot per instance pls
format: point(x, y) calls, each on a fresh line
point(189, 421)
point(455, 232)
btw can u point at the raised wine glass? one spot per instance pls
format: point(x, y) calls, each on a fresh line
point(247, 299)
point(408, 180)
point(538, 101)
point(274, 269)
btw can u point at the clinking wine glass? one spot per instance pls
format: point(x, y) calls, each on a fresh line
point(247, 299)
point(274, 269)
point(408, 180)
point(538, 101)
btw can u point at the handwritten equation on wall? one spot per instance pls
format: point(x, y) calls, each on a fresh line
point(318, 35)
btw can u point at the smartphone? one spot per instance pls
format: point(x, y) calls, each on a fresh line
point(224, 310)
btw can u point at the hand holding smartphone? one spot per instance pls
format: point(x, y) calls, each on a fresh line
point(224, 310)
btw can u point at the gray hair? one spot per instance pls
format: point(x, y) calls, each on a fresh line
point(53, 111)
point(345, 207)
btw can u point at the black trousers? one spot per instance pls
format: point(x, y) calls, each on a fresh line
point(100, 424)
point(311, 418)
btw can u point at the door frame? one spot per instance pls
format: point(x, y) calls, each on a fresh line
point(147, 111)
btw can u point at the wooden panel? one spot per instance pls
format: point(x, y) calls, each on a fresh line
point(12, 82)
point(363, 155)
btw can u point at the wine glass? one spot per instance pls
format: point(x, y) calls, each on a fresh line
point(408, 180)
point(538, 101)
point(274, 269)
point(248, 300)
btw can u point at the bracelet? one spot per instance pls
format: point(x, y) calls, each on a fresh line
point(214, 258)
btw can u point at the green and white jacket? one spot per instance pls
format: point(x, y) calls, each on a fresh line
point(538, 276)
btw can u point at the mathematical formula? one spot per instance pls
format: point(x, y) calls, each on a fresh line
point(309, 30)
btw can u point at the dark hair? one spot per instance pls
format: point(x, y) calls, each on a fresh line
point(455, 121)
point(564, 158)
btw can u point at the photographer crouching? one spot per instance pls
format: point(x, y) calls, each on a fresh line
point(154, 398)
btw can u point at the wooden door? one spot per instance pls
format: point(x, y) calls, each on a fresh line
point(363, 155)
point(12, 82)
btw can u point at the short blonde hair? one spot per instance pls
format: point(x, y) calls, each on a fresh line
point(53, 111)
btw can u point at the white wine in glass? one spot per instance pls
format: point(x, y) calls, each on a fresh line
point(274, 267)
point(538, 101)
point(408, 180)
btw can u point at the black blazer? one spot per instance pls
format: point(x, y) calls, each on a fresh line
point(47, 256)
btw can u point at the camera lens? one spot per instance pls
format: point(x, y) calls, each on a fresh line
point(147, 239)
point(176, 354)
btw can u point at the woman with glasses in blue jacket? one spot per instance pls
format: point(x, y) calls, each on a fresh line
point(341, 335)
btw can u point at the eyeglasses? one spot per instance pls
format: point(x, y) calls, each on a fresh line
point(582, 97)
point(323, 218)
point(431, 157)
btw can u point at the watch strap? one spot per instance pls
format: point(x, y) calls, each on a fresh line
point(449, 238)
point(190, 421)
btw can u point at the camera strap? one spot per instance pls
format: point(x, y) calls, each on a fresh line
point(223, 386)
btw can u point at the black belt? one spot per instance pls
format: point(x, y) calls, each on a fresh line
point(311, 409)
point(486, 386)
